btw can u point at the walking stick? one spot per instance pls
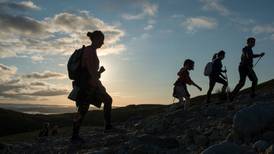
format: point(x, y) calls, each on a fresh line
point(227, 88)
point(257, 61)
point(226, 75)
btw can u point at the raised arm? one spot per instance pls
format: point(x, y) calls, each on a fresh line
point(194, 84)
point(258, 55)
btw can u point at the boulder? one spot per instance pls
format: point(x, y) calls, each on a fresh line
point(252, 120)
point(260, 146)
point(224, 148)
point(270, 150)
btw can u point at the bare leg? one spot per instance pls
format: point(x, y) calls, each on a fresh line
point(187, 103)
point(78, 118)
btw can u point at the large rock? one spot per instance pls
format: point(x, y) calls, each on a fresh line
point(260, 146)
point(252, 120)
point(270, 150)
point(224, 148)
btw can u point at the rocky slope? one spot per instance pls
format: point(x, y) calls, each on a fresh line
point(243, 126)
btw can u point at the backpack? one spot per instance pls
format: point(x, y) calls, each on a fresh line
point(74, 62)
point(208, 68)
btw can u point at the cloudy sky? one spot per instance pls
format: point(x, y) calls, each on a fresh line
point(146, 43)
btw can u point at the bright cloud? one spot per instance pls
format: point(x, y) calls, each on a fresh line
point(18, 6)
point(37, 58)
point(19, 87)
point(193, 24)
point(60, 34)
point(267, 30)
point(29, 4)
point(263, 29)
point(44, 75)
point(148, 10)
point(7, 72)
point(215, 5)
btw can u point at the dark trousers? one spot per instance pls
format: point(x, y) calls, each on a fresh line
point(83, 109)
point(213, 79)
point(246, 71)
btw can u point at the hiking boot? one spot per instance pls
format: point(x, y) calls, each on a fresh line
point(77, 139)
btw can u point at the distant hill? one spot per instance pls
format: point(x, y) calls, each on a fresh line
point(15, 122)
point(38, 108)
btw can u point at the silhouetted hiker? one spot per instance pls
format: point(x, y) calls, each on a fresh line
point(246, 68)
point(91, 90)
point(180, 89)
point(216, 74)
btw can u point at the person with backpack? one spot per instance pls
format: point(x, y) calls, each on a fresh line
point(216, 74)
point(91, 90)
point(246, 69)
point(180, 86)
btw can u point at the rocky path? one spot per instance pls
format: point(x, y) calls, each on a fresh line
point(243, 126)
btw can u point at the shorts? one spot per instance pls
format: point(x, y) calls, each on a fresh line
point(92, 95)
point(180, 91)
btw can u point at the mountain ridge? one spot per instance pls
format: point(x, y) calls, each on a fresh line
point(201, 129)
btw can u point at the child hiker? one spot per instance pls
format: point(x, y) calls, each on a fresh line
point(180, 86)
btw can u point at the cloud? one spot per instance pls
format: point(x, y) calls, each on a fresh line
point(60, 34)
point(37, 58)
point(62, 65)
point(44, 75)
point(133, 17)
point(259, 29)
point(19, 87)
point(149, 27)
point(7, 72)
point(18, 6)
point(244, 24)
point(38, 83)
point(48, 92)
point(215, 5)
point(29, 5)
point(193, 24)
point(115, 49)
point(148, 10)
point(266, 30)
point(14, 26)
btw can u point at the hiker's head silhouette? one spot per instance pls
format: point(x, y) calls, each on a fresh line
point(221, 54)
point(251, 41)
point(189, 64)
point(97, 38)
